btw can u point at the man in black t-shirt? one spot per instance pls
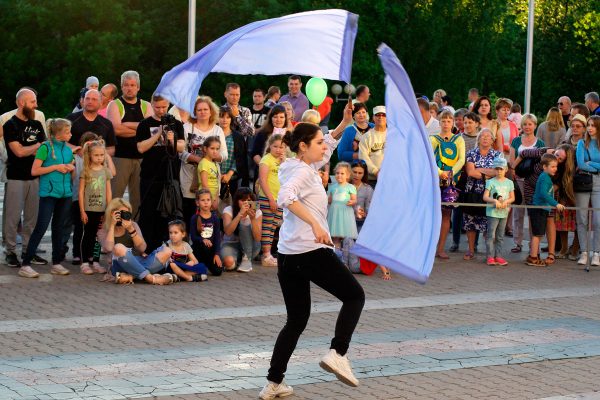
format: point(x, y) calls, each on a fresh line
point(259, 110)
point(23, 136)
point(89, 120)
point(160, 146)
point(125, 113)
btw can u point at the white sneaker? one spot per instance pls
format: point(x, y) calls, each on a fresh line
point(596, 259)
point(27, 272)
point(272, 390)
point(86, 269)
point(97, 268)
point(340, 366)
point(245, 265)
point(58, 269)
point(583, 258)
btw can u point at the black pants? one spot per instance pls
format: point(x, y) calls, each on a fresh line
point(88, 240)
point(206, 256)
point(153, 226)
point(295, 272)
point(189, 209)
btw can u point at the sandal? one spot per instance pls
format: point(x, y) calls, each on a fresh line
point(468, 256)
point(550, 259)
point(161, 282)
point(123, 279)
point(386, 276)
point(562, 256)
point(535, 262)
point(517, 249)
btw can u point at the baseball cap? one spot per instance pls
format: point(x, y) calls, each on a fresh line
point(91, 80)
point(378, 110)
point(500, 162)
point(580, 118)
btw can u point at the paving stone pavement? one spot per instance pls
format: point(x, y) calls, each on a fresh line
point(472, 332)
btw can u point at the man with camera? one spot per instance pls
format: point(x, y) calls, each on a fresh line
point(159, 139)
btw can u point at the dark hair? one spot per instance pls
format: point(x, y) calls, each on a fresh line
point(157, 97)
point(232, 85)
point(242, 193)
point(581, 109)
point(361, 164)
point(225, 110)
point(304, 132)
point(516, 108)
point(259, 90)
point(461, 112)
point(272, 91)
point(210, 140)
point(360, 89)
point(472, 116)
point(423, 104)
point(478, 104)
point(179, 223)
point(447, 99)
point(548, 158)
point(357, 107)
point(88, 137)
point(202, 191)
point(295, 78)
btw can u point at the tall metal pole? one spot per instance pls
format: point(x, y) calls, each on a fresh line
point(191, 28)
point(529, 60)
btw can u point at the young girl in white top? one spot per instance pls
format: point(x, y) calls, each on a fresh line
point(305, 255)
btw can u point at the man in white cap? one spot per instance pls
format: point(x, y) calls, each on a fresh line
point(372, 145)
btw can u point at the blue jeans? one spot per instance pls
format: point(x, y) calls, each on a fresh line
point(583, 200)
point(137, 266)
point(495, 236)
point(246, 245)
point(57, 210)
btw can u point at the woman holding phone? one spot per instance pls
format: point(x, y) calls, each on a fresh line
point(305, 255)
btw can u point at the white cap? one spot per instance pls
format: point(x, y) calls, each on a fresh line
point(378, 110)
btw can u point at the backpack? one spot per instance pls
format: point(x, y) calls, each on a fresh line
point(446, 153)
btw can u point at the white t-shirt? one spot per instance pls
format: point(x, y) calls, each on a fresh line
point(245, 221)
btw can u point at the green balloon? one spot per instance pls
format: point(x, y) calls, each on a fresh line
point(316, 90)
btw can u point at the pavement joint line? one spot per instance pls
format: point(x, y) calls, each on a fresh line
point(197, 315)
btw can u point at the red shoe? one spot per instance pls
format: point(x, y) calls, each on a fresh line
point(491, 261)
point(501, 261)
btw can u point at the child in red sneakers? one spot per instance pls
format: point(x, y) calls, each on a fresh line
point(499, 193)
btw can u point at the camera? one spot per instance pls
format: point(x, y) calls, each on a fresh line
point(169, 123)
point(125, 215)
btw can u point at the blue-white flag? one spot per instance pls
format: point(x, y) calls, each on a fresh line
point(316, 43)
point(403, 225)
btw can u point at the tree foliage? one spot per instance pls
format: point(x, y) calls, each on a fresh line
point(450, 44)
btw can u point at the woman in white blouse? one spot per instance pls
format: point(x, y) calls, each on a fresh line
point(306, 255)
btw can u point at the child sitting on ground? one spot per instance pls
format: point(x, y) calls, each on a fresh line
point(205, 233)
point(183, 262)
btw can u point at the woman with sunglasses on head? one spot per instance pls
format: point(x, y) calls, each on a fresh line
point(305, 256)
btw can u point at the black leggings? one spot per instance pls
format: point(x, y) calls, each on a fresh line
point(295, 272)
point(88, 240)
point(206, 256)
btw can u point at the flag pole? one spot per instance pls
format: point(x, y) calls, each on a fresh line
point(529, 59)
point(191, 28)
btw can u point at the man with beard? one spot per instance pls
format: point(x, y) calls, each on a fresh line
point(23, 136)
point(88, 120)
point(159, 144)
point(259, 110)
point(125, 113)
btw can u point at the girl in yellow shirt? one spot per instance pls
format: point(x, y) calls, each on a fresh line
point(268, 182)
point(209, 174)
